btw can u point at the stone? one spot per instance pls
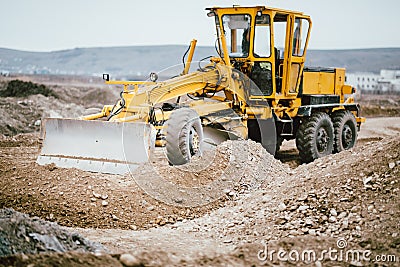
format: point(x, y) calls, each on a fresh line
point(104, 203)
point(96, 195)
point(129, 260)
point(308, 222)
point(332, 219)
point(392, 165)
point(303, 208)
point(333, 212)
point(370, 208)
point(150, 208)
point(355, 209)
point(345, 224)
point(282, 206)
point(342, 215)
point(293, 232)
point(367, 180)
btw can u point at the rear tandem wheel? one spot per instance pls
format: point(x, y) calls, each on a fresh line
point(314, 138)
point(345, 130)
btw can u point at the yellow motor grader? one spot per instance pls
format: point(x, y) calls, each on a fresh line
point(256, 88)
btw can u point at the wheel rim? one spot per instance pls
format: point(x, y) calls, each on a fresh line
point(322, 140)
point(347, 136)
point(194, 142)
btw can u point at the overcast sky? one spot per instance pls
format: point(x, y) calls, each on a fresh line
point(48, 25)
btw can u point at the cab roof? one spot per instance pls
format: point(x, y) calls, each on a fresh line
point(237, 7)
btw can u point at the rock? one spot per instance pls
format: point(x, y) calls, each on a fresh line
point(281, 220)
point(115, 218)
point(104, 203)
point(303, 208)
point(342, 215)
point(150, 208)
point(308, 222)
point(133, 227)
point(332, 219)
point(370, 208)
point(367, 180)
point(333, 212)
point(282, 206)
point(104, 197)
point(227, 191)
point(355, 209)
point(345, 224)
point(129, 260)
point(392, 165)
point(38, 122)
point(293, 232)
point(96, 195)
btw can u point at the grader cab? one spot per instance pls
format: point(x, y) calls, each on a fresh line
point(256, 88)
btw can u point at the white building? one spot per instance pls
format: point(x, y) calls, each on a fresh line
point(388, 81)
point(363, 81)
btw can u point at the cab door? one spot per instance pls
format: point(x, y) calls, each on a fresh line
point(291, 33)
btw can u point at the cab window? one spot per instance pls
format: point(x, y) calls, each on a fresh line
point(237, 33)
point(262, 37)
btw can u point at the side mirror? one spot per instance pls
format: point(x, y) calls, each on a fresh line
point(106, 77)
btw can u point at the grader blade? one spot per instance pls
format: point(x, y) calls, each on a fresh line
point(96, 146)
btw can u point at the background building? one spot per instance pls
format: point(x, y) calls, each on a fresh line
point(388, 81)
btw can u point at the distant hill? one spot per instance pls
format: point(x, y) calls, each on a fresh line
point(136, 61)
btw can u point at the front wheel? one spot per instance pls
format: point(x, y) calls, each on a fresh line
point(345, 130)
point(314, 138)
point(184, 136)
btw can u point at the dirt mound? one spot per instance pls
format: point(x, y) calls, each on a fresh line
point(18, 88)
point(21, 234)
point(24, 103)
point(352, 196)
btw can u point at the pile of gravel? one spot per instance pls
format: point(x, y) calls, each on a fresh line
point(21, 234)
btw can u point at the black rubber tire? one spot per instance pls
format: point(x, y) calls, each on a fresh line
point(345, 130)
point(184, 136)
point(314, 138)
